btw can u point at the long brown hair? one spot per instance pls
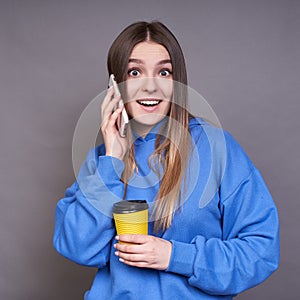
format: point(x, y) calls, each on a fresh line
point(172, 149)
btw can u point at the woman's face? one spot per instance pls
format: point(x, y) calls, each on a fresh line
point(149, 85)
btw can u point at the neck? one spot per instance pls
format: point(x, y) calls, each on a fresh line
point(141, 129)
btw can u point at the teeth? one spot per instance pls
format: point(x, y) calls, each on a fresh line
point(149, 102)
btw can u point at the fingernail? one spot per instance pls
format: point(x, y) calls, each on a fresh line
point(117, 253)
point(117, 237)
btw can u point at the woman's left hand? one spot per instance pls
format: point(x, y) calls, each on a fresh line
point(144, 251)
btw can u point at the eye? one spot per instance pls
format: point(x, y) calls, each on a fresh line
point(165, 73)
point(133, 72)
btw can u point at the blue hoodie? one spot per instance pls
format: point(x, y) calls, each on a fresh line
point(225, 236)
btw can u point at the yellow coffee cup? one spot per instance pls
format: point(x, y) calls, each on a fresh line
point(131, 217)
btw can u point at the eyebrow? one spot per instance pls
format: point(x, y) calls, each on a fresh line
point(139, 61)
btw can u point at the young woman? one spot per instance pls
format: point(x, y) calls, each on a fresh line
point(201, 245)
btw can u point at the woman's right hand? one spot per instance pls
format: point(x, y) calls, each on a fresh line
point(115, 145)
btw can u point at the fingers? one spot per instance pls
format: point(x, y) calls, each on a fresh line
point(132, 254)
point(133, 243)
point(114, 116)
point(108, 96)
point(108, 125)
point(144, 251)
point(133, 238)
point(131, 258)
point(109, 116)
point(115, 145)
point(108, 104)
point(138, 264)
point(132, 250)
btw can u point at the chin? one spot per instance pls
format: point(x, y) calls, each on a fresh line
point(148, 120)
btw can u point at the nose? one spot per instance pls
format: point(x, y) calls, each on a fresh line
point(149, 85)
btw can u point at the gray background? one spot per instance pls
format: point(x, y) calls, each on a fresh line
point(242, 56)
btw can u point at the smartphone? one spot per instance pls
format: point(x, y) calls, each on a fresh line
point(123, 120)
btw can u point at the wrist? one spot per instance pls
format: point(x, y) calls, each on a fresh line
point(168, 255)
point(110, 154)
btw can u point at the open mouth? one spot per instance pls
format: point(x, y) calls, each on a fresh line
point(149, 103)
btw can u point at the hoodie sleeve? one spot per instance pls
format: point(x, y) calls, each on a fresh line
point(83, 223)
point(248, 251)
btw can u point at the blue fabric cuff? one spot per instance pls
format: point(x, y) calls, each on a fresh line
point(182, 258)
point(110, 168)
